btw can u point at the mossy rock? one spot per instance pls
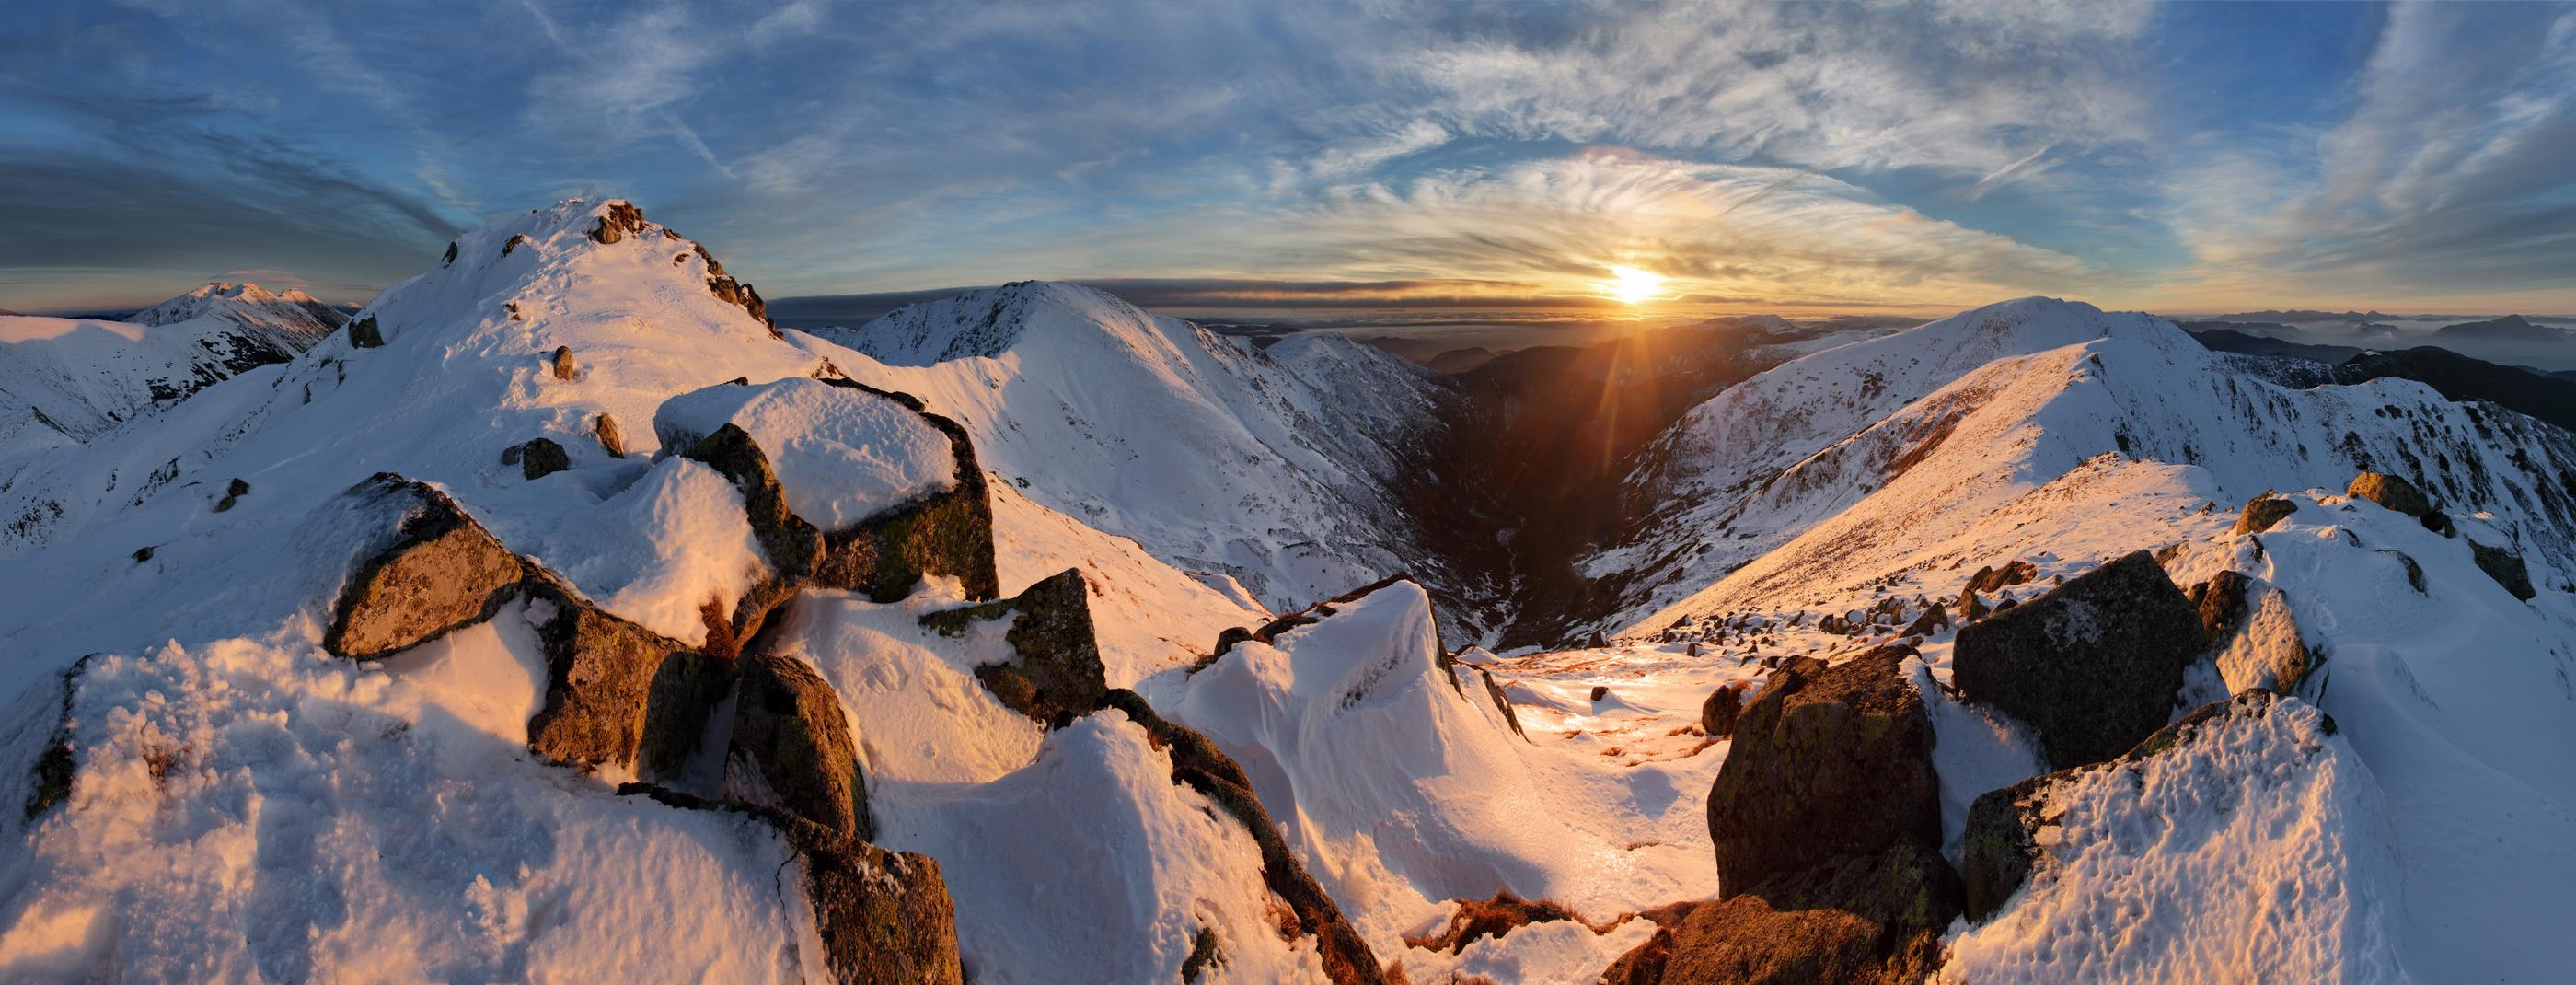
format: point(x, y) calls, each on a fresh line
point(442, 571)
point(2093, 664)
point(1055, 673)
point(792, 737)
point(1828, 760)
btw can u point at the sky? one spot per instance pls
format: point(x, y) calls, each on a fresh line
point(1740, 157)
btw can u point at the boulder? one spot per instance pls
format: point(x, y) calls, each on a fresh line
point(2093, 664)
point(610, 438)
point(541, 457)
point(1990, 579)
point(2250, 624)
point(1827, 761)
point(884, 917)
point(563, 364)
point(2262, 512)
point(2004, 844)
point(1055, 673)
point(2221, 602)
point(1717, 715)
point(792, 748)
point(450, 258)
point(363, 334)
point(1871, 918)
point(1935, 618)
point(233, 492)
point(440, 572)
point(2505, 567)
point(2392, 491)
point(602, 702)
point(621, 220)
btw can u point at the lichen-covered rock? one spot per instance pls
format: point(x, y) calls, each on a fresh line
point(600, 686)
point(2392, 491)
point(2262, 512)
point(1827, 761)
point(792, 747)
point(884, 917)
point(2093, 664)
point(1197, 763)
point(541, 457)
point(441, 571)
point(363, 334)
point(1055, 673)
point(2505, 567)
point(1874, 918)
point(2002, 844)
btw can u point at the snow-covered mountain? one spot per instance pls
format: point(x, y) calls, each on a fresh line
point(66, 380)
point(1290, 469)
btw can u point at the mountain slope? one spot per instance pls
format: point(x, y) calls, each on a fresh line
point(1289, 469)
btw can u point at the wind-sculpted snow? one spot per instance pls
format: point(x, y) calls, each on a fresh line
point(1285, 469)
point(842, 454)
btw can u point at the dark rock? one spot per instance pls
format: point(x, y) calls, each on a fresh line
point(2414, 571)
point(1875, 918)
point(621, 220)
point(450, 258)
point(885, 917)
point(1827, 761)
point(1476, 920)
point(609, 697)
point(1226, 640)
point(441, 572)
point(1198, 763)
point(2262, 512)
point(1935, 618)
point(49, 782)
point(1972, 608)
point(2505, 567)
point(2093, 664)
point(789, 728)
point(2392, 491)
point(2221, 601)
point(1718, 714)
point(541, 457)
point(363, 334)
point(1206, 952)
point(610, 438)
point(562, 362)
point(233, 492)
point(514, 243)
point(1055, 674)
point(1599, 692)
point(142, 554)
point(1494, 692)
point(1990, 579)
point(2001, 845)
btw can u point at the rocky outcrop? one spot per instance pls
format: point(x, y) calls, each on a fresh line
point(441, 571)
point(1055, 674)
point(363, 334)
point(1828, 761)
point(2093, 664)
point(1718, 714)
point(2004, 842)
point(792, 748)
point(1932, 620)
point(884, 917)
point(1476, 920)
point(2262, 512)
point(1874, 918)
point(2506, 567)
point(621, 220)
point(1198, 764)
point(49, 782)
point(1991, 579)
point(541, 457)
point(600, 675)
point(2250, 625)
point(2394, 492)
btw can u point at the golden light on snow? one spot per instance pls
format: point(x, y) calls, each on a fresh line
point(1631, 285)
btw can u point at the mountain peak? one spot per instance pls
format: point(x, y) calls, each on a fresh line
point(990, 321)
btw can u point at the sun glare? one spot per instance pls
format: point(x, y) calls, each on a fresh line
point(1631, 285)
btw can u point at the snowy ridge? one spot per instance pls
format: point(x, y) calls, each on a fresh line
point(1283, 469)
point(292, 319)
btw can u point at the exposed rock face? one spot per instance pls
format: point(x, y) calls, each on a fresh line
point(2093, 664)
point(1479, 919)
point(541, 457)
point(2262, 512)
point(1717, 715)
point(621, 220)
point(443, 571)
point(363, 334)
point(1933, 619)
point(2250, 624)
point(885, 917)
point(600, 673)
point(2221, 601)
point(2505, 567)
point(2392, 491)
point(2002, 844)
point(1827, 761)
point(792, 747)
point(1990, 579)
point(1874, 918)
point(1198, 763)
point(50, 781)
point(450, 258)
point(1055, 674)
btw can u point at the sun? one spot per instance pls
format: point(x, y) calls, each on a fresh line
point(1631, 285)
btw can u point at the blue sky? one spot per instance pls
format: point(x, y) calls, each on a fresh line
point(2191, 157)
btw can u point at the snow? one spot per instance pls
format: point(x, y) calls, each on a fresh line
point(2252, 851)
point(842, 455)
point(658, 551)
point(1091, 865)
point(1148, 617)
point(915, 707)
